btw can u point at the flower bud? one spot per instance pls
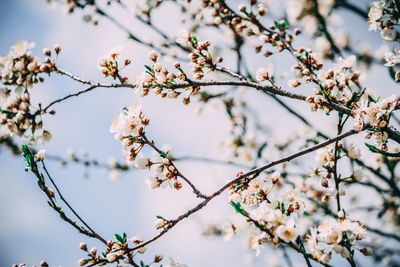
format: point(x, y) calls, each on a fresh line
point(83, 246)
point(40, 155)
point(46, 52)
point(93, 251)
point(153, 56)
point(294, 83)
point(353, 152)
point(275, 177)
point(83, 262)
point(242, 8)
point(111, 257)
point(341, 214)
point(324, 182)
point(158, 258)
point(160, 223)
point(142, 250)
point(57, 48)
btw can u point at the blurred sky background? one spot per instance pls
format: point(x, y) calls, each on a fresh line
point(30, 231)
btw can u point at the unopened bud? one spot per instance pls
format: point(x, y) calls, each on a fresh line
point(93, 251)
point(57, 49)
point(83, 246)
point(46, 52)
point(158, 258)
point(275, 177)
point(83, 262)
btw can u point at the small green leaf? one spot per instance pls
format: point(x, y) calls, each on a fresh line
point(371, 99)
point(149, 69)
point(282, 24)
point(29, 158)
point(392, 164)
point(125, 237)
point(164, 154)
point(372, 148)
point(119, 238)
point(382, 152)
point(239, 209)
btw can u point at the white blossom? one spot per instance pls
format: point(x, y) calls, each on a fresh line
point(287, 232)
point(40, 155)
point(392, 58)
point(353, 152)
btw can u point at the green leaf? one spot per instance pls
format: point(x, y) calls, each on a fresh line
point(392, 164)
point(149, 69)
point(125, 237)
point(239, 209)
point(29, 158)
point(372, 148)
point(371, 99)
point(194, 38)
point(164, 154)
point(120, 239)
point(384, 153)
point(282, 24)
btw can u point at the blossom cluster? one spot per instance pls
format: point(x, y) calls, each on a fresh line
point(392, 61)
point(380, 17)
point(20, 68)
point(201, 57)
point(335, 235)
point(118, 251)
point(375, 116)
point(275, 219)
point(128, 128)
point(282, 220)
point(165, 175)
point(336, 84)
point(115, 251)
point(319, 183)
point(254, 192)
point(19, 72)
point(245, 23)
point(164, 82)
point(109, 64)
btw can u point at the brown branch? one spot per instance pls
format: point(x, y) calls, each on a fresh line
point(70, 207)
point(250, 176)
point(179, 173)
